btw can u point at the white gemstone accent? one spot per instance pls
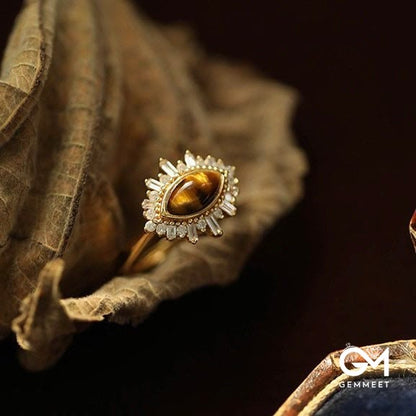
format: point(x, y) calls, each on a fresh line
point(218, 213)
point(214, 226)
point(228, 208)
point(210, 161)
point(181, 167)
point(192, 233)
point(220, 164)
point(235, 191)
point(167, 167)
point(146, 204)
point(149, 214)
point(190, 159)
point(161, 229)
point(199, 161)
point(170, 232)
point(231, 171)
point(229, 197)
point(150, 226)
point(181, 231)
point(201, 225)
point(153, 195)
point(164, 179)
point(153, 184)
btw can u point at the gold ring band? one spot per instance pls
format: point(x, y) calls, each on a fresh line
point(186, 201)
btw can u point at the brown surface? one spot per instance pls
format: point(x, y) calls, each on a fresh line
point(339, 269)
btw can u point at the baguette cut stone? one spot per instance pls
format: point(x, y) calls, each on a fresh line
point(167, 167)
point(170, 232)
point(196, 191)
point(192, 233)
point(214, 226)
point(153, 184)
point(228, 208)
point(190, 159)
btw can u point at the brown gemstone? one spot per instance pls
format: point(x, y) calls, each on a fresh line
point(196, 191)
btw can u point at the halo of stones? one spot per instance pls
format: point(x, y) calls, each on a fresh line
point(192, 226)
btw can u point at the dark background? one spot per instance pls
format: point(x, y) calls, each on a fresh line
point(339, 268)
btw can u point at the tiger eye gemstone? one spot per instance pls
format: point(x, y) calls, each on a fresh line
point(194, 192)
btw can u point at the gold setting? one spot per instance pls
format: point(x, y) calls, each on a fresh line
point(216, 203)
point(190, 225)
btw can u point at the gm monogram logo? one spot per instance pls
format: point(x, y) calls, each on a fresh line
point(360, 367)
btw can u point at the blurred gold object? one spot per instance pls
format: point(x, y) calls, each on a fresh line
point(412, 229)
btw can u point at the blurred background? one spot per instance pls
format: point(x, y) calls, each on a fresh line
point(339, 268)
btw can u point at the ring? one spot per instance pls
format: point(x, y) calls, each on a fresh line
point(186, 201)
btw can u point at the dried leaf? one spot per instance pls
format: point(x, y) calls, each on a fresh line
point(23, 73)
point(71, 109)
point(30, 326)
point(25, 65)
point(120, 92)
